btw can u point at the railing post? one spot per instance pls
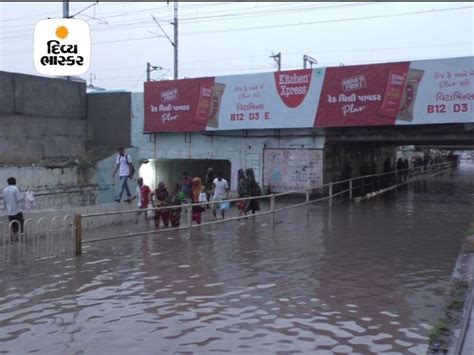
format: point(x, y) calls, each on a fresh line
point(272, 208)
point(330, 193)
point(190, 218)
point(350, 189)
point(307, 203)
point(396, 176)
point(78, 234)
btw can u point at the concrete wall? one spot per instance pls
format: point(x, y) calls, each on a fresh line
point(108, 119)
point(242, 151)
point(53, 188)
point(40, 118)
point(56, 189)
point(43, 118)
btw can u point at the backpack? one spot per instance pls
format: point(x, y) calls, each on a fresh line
point(130, 166)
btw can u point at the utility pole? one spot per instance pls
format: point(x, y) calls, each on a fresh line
point(66, 15)
point(277, 59)
point(65, 8)
point(149, 69)
point(307, 59)
point(175, 42)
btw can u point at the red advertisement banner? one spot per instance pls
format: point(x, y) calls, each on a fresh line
point(178, 105)
point(403, 93)
point(365, 95)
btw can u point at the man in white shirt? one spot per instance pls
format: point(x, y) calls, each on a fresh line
point(11, 200)
point(124, 167)
point(220, 191)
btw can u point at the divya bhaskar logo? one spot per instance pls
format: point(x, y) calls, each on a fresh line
point(62, 47)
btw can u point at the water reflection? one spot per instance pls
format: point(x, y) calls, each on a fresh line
point(352, 278)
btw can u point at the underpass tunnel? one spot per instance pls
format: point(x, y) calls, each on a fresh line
point(344, 161)
point(170, 170)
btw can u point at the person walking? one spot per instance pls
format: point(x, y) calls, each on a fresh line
point(400, 171)
point(175, 212)
point(143, 198)
point(220, 192)
point(241, 190)
point(186, 186)
point(208, 186)
point(161, 197)
point(197, 189)
point(387, 168)
point(11, 201)
point(125, 168)
point(253, 190)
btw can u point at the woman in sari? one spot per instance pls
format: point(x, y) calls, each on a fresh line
point(253, 190)
point(161, 196)
point(197, 190)
point(176, 200)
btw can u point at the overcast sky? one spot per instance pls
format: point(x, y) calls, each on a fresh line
point(237, 38)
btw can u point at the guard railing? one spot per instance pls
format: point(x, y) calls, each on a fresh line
point(44, 238)
point(354, 188)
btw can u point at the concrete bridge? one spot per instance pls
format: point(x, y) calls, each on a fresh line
point(456, 135)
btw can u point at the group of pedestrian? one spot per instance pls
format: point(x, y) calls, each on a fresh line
point(186, 191)
point(210, 195)
point(159, 197)
point(247, 186)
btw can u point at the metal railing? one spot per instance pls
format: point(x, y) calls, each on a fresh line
point(44, 238)
point(354, 188)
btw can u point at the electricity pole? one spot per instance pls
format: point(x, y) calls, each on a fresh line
point(149, 69)
point(66, 15)
point(307, 59)
point(65, 8)
point(175, 42)
point(277, 59)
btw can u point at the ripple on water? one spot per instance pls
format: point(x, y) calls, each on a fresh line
point(350, 280)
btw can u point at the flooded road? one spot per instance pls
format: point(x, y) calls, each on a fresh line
point(351, 278)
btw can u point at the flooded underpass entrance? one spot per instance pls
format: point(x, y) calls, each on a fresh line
point(362, 278)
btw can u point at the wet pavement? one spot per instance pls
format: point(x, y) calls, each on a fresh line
point(468, 346)
point(352, 278)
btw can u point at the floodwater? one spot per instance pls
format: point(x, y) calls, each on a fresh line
point(352, 278)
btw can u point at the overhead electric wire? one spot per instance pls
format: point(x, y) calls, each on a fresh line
point(119, 13)
point(286, 25)
point(301, 53)
point(141, 24)
point(331, 51)
point(329, 21)
point(145, 21)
